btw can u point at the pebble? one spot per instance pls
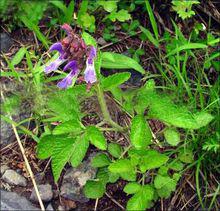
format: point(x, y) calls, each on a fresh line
point(3, 169)
point(12, 201)
point(45, 191)
point(13, 178)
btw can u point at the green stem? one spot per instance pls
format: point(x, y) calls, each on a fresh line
point(105, 112)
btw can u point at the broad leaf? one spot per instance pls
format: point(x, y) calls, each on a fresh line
point(115, 150)
point(120, 166)
point(132, 187)
point(140, 132)
point(152, 159)
point(72, 126)
point(172, 136)
point(45, 146)
point(94, 189)
point(96, 137)
point(108, 6)
point(61, 154)
point(100, 160)
point(18, 56)
point(115, 80)
point(79, 150)
point(119, 61)
point(142, 199)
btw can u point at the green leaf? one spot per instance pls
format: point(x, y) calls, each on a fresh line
point(18, 56)
point(88, 39)
point(140, 132)
point(152, 19)
point(186, 156)
point(172, 136)
point(121, 15)
point(61, 154)
point(119, 61)
point(129, 176)
point(142, 199)
point(79, 150)
point(202, 119)
point(121, 166)
point(108, 6)
point(94, 189)
point(115, 150)
point(164, 185)
point(100, 160)
point(152, 159)
point(96, 137)
point(149, 36)
point(69, 12)
point(45, 146)
point(132, 187)
point(115, 80)
point(72, 126)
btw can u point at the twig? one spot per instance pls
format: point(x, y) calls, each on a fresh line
point(96, 204)
point(114, 201)
point(26, 162)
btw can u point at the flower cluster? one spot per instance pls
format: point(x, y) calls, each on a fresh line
point(74, 52)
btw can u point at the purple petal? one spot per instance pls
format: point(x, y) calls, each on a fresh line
point(67, 81)
point(90, 74)
point(54, 65)
point(71, 65)
point(57, 47)
point(92, 54)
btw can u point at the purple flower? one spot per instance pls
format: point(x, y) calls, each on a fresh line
point(67, 81)
point(56, 63)
point(90, 74)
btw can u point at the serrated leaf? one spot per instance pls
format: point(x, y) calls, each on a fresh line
point(132, 187)
point(96, 137)
point(108, 6)
point(100, 160)
point(119, 61)
point(115, 80)
point(61, 154)
point(202, 119)
point(115, 150)
point(94, 189)
point(79, 150)
point(140, 132)
point(45, 146)
point(186, 156)
point(120, 166)
point(88, 39)
point(129, 176)
point(142, 199)
point(152, 159)
point(164, 185)
point(123, 15)
point(72, 126)
point(172, 136)
point(176, 165)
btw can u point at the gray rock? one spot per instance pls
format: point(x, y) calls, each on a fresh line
point(5, 42)
point(3, 169)
point(13, 178)
point(74, 180)
point(12, 201)
point(101, 41)
point(45, 191)
point(50, 208)
point(19, 112)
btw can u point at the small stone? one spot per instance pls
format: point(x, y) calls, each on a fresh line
point(13, 178)
point(101, 41)
point(45, 191)
point(5, 42)
point(12, 201)
point(50, 208)
point(74, 180)
point(3, 169)
point(61, 208)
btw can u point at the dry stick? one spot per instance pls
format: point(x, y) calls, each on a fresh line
point(26, 162)
point(114, 201)
point(96, 204)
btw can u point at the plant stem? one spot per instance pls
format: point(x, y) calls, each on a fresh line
point(104, 109)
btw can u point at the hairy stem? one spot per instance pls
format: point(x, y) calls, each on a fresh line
point(104, 109)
